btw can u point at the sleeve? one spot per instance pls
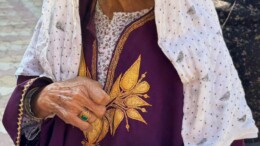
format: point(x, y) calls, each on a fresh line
point(14, 113)
point(238, 143)
point(31, 125)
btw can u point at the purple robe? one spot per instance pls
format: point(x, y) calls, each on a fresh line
point(137, 47)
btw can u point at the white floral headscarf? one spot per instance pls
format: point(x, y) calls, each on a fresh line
point(215, 110)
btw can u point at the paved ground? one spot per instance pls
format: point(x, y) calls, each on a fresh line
point(17, 20)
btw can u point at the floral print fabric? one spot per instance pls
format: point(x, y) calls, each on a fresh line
point(108, 32)
point(215, 109)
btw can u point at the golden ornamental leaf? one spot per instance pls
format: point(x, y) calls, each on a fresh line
point(95, 132)
point(87, 144)
point(110, 117)
point(115, 91)
point(143, 110)
point(146, 96)
point(141, 88)
point(104, 129)
point(130, 78)
point(134, 114)
point(119, 116)
point(127, 126)
point(135, 101)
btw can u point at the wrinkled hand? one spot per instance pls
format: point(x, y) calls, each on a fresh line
point(68, 99)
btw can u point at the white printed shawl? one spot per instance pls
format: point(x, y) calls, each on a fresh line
point(215, 109)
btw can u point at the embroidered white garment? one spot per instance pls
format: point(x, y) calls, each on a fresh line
point(215, 110)
point(108, 32)
point(55, 48)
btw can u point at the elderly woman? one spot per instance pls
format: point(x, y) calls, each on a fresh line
point(128, 73)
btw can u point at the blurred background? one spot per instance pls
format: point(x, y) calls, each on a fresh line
point(241, 28)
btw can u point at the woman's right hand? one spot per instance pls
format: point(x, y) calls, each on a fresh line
point(69, 98)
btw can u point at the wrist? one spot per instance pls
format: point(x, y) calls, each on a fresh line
point(38, 109)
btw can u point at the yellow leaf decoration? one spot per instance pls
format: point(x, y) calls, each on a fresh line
point(143, 110)
point(104, 129)
point(95, 132)
point(142, 87)
point(128, 97)
point(115, 91)
point(146, 96)
point(135, 101)
point(110, 117)
point(134, 114)
point(119, 116)
point(130, 78)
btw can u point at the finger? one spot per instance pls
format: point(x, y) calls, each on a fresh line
point(76, 109)
point(98, 95)
point(72, 119)
point(90, 88)
point(91, 117)
point(73, 98)
point(98, 110)
point(79, 96)
point(61, 91)
point(77, 122)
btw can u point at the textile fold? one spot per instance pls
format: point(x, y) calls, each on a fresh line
point(215, 110)
point(189, 34)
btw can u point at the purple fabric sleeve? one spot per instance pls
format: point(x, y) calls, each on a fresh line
point(238, 143)
point(11, 111)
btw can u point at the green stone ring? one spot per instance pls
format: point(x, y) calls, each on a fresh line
point(84, 116)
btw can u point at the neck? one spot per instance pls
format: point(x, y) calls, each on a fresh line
point(111, 6)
